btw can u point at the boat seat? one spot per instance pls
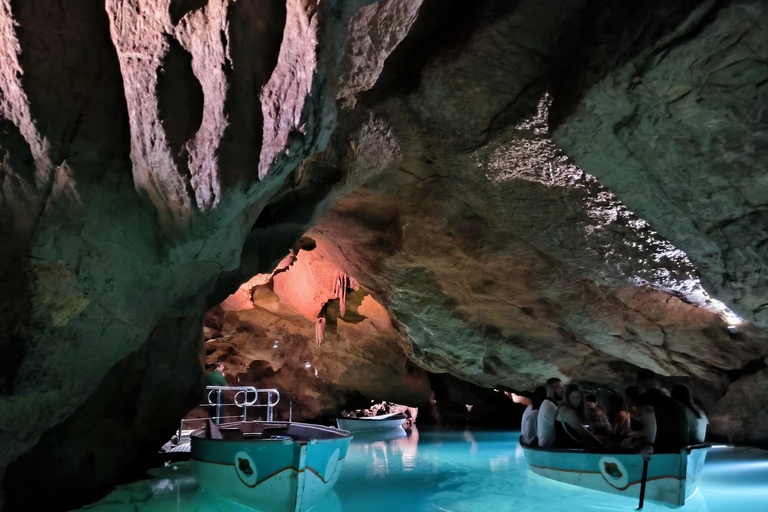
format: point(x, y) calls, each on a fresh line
point(264, 435)
point(275, 431)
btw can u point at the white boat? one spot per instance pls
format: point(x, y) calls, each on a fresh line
point(672, 477)
point(270, 466)
point(369, 423)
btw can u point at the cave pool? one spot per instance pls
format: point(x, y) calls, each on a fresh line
point(457, 471)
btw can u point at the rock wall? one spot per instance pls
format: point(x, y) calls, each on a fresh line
point(131, 177)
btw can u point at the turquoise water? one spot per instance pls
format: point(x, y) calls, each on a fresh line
point(450, 471)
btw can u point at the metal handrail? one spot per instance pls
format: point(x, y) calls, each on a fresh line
point(241, 399)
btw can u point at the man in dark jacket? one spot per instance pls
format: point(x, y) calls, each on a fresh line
point(665, 425)
point(216, 378)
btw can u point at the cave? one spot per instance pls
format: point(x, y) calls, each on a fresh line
point(412, 198)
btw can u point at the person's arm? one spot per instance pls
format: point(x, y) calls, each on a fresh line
point(648, 436)
point(621, 425)
point(602, 424)
point(572, 420)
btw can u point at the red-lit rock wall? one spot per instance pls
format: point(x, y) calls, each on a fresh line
point(266, 334)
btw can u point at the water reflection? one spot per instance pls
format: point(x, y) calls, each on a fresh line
point(457, 471)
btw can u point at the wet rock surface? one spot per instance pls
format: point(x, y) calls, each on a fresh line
point(510, 190)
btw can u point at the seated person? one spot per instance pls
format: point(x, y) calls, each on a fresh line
point(545, 421)
point(569, 422)
point(697, 420)
point(530, 417)
point(621, 424)
point(596, 418)
point(632, 399)
point(665, 423)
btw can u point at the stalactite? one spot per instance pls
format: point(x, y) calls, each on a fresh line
point(320, 330)
point(340, 290)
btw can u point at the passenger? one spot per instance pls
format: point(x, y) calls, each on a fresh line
point(569, 422)
point(632, 398)
point(596, 418)
point(216, 376)
point(545, 421)
point(622, 423)
point(665, 423)
point(697, 420)
point(529, 422)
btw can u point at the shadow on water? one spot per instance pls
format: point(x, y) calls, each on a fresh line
point(458, 471)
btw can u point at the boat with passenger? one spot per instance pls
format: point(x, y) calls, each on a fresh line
point(371, 423)
point(252, 458)
point(670, 479)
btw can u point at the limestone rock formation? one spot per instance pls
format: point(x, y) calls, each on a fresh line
point(132, 134)
point(520, 189)
point(679, 133)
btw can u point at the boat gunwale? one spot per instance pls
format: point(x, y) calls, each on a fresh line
point(609, 451)
point(384, 417)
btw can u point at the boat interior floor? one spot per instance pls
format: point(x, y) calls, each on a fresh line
point(253, 430)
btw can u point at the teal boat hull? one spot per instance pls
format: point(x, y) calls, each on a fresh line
point(672, 477)
point(288, 472)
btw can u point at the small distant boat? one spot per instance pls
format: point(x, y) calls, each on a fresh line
point(672, 477)
point(269, 466)
point(369, 423)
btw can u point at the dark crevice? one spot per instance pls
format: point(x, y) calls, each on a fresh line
point(15, 152)
point(254, 40)
point(441, 25)
point(305, 243)
point(180, 102)
point(179, 8)
point(750, 368)
point(73, 83)
point(13, 349)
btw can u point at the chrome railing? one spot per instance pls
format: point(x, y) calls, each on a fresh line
point(243, 397)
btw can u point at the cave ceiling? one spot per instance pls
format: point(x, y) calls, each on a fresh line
point(508, 191)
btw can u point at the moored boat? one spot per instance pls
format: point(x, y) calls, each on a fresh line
point(672, 477)
point(369, 423)
point(269, 466)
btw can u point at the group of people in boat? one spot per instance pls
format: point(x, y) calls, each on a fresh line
point(646, 417)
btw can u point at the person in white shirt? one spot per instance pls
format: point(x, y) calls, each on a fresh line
point(697, 420)
point(545, 427)
point(529, 423)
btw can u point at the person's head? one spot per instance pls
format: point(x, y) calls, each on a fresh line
point(591, 401)
point(574, 398)
point(218, 367)
point(616, 402)
point(554, 388)
point(682, 394)
point(539, 394)
point(632, 396)
point(647, 380)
